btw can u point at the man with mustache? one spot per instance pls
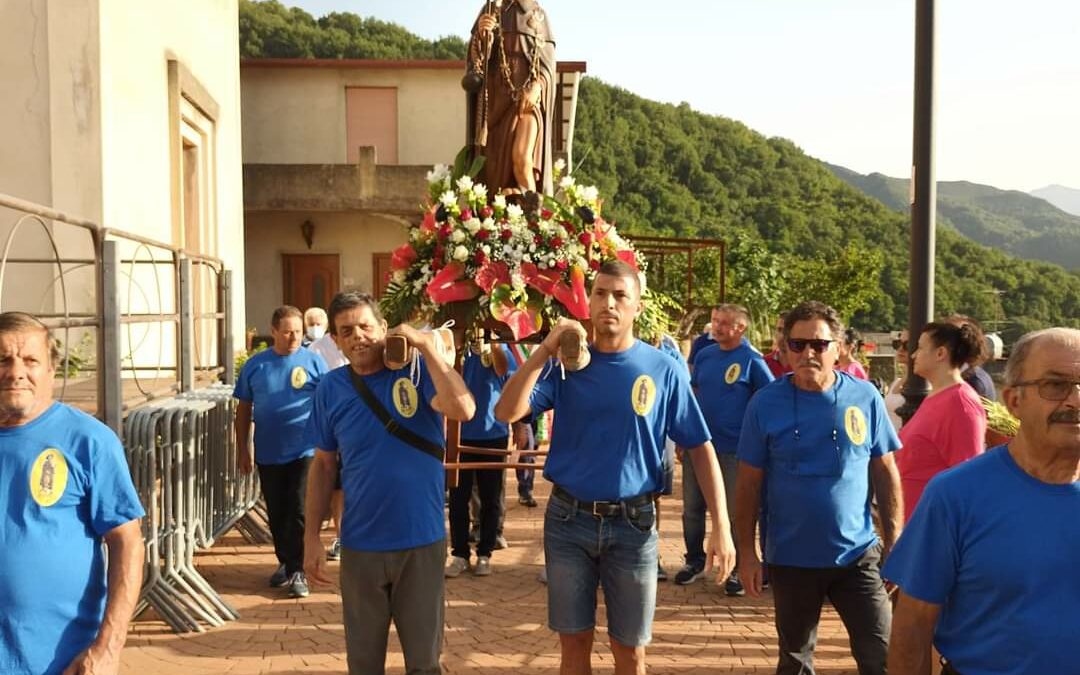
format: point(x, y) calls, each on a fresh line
point(393, 534)
point(606, 463)
point(819, 437)
point(987, 566)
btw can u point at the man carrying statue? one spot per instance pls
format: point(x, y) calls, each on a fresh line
point(511, 86)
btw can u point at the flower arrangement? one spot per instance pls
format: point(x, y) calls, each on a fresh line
point(523, 261)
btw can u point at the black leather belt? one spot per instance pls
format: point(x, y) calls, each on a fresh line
point(603, 509)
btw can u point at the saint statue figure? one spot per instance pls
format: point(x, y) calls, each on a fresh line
point(511, 85)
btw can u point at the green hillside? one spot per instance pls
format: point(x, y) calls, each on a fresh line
point(793, 228)
point(1013, 221)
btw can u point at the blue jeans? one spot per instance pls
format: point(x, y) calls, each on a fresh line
point(617, 553)
point(693, 515)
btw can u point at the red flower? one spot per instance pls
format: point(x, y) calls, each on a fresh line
point(506, 235)
point(482, 235)
point(538, 240)
point(546, 214)
point(585, 238)
point(444, 231)
point(561, 265)
point(403, 257)
point(466, 215)
point(429, 221)
point(594, 264)
point(485, 212)
point(556, 242)
point(480, 257)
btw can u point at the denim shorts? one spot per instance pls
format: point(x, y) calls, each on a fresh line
point(617, 553)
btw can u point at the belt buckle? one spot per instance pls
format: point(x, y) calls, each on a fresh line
point(600, 509)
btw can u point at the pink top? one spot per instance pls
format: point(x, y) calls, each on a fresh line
point(854, 369)
point(948, 428)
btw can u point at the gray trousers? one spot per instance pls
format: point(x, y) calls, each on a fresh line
point(405, 587)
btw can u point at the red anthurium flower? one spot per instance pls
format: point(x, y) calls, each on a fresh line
point(493, 274)
point(403, 257)
point(628, 257)
point(480, 257)
point(429, 221)
point(445, 286)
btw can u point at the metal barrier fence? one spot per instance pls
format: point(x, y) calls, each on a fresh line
point(108, 285)
point(183, 459)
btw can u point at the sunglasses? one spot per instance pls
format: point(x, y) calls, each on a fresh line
point(797, 345)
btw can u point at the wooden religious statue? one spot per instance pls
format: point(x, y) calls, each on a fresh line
point(511, 84)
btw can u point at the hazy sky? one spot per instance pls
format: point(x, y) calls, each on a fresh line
point(834, 76)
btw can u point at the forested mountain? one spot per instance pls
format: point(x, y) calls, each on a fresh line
point(794, 230)
point(1016, 222)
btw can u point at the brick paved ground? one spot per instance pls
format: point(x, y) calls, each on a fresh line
point(494, 625)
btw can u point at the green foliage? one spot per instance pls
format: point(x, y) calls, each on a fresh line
point(659, 316)
point(271, 30)
point(76, 359)
point(242, 357)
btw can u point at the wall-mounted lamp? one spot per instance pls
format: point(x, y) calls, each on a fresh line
point(307, 231)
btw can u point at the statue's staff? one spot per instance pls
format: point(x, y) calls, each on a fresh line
point(474, 80)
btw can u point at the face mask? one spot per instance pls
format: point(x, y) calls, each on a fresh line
point(315, 332)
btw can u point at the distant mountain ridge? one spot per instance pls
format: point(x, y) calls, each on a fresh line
point(1065, 198)
point(1013, 221)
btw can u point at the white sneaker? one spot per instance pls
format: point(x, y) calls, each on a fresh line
point(455, 567)
point(483, 566)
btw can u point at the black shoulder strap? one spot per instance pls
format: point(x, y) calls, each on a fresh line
point(390, 424)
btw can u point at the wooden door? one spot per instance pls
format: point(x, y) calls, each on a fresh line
point(371, 120)
point(311, 279)
point(380, 266)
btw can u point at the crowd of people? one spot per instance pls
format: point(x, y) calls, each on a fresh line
point(796, 478)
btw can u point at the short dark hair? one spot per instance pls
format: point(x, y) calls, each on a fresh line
point(853, 338)
point(344, 301)
point(738, 310)
point(284, 312)
point(21, 322)
point(813, 310)
point(963, 340)
point(618, 268)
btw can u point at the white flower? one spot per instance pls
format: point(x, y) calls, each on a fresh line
point(514, 212)
point(566, 182)
point(517, 281)
point(488, 223)
point(561, 231)
point(590, 194)
point(560, 164)
point(526, 258)
point(461, 254)
point(457, 236)
point(479, 192)
point(464, 184)
point(399, 276)
point(438, 173)
point(472, 225)
point(500, 201)
point(507, 249)
point(551, 262)
point(486, 249)
point(532, 248)
point(448, 198)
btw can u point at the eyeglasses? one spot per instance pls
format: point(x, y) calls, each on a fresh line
point(1051, 389)
point(797, 345)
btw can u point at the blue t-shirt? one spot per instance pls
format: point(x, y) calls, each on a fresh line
point(999, 550)
point(485, 387)
point(815, 449)
point(700, 342)
point(611, 420)
point(724, 380)
point(393, 491)
point(281, 389)
point(65, 485)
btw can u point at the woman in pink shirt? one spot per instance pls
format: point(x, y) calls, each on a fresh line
point(949, 426)
point(849, 349)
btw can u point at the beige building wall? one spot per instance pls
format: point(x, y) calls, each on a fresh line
point(353, 236)
point(296, 115)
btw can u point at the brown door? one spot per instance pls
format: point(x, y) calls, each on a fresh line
point(371, 120)
point(380, 265)
point(311, 280)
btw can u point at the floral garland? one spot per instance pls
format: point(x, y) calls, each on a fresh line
point(523, 263)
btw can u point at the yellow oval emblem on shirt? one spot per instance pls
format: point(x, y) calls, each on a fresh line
point(298, 377)
point(48, 477)
point(643, 395)
point(855, 425)
point(732, 374)
point(405, 397)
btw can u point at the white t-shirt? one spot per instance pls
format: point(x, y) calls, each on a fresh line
point(328, 349)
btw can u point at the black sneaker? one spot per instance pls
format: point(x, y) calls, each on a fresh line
point(298, 587)
point(688, 575)
point(279, 579)
point(527, 500)
point(733, 587)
